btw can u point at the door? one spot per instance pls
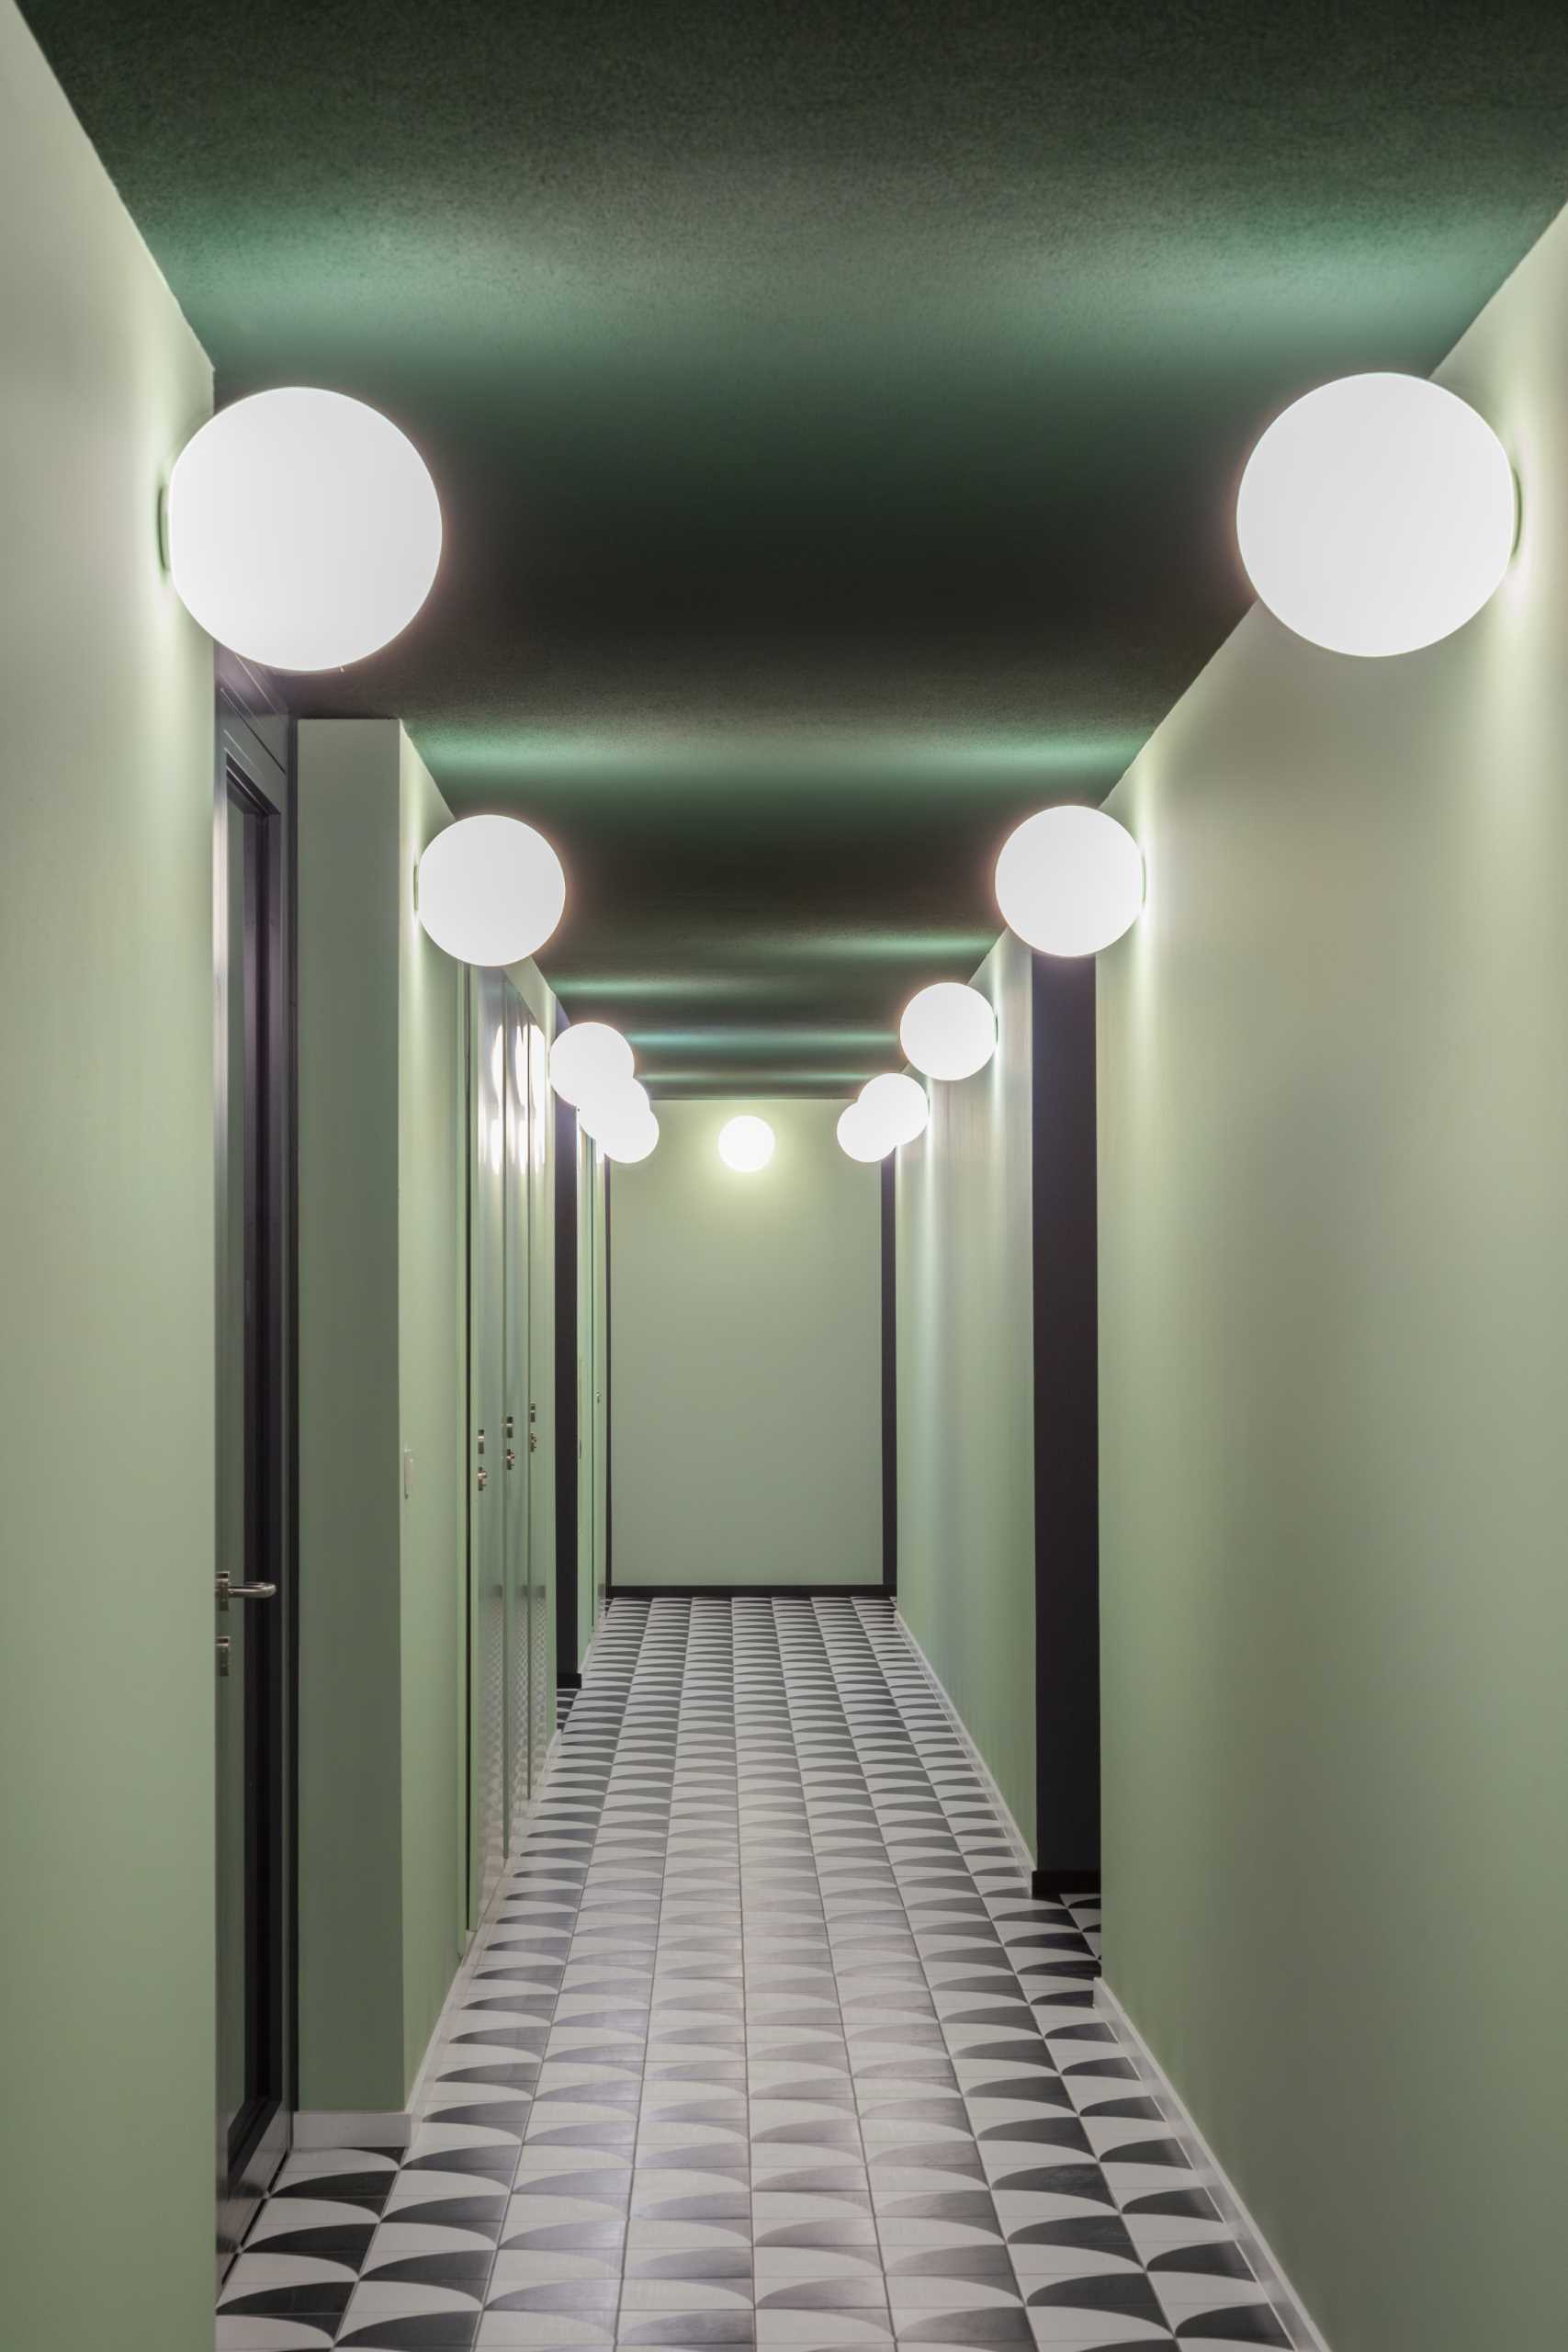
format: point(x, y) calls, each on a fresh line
point(488, 1780)
point(518, 1289)
point(254, 1540)
point(540, 1313)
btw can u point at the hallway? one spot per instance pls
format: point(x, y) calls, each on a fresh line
point(763, 2042)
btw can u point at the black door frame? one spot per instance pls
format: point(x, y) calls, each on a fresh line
point(255, 778)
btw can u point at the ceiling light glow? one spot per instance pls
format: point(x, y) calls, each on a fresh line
point(746, 1144)
point(1377, 515)
point(303, 528)
point(1069, 881)
point(490, 890)
point(948, 1031)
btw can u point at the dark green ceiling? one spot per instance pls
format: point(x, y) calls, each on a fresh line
point(836, 409)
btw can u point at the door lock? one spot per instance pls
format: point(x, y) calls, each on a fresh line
point(483, 1479)
point(224, 1647)
point(511, 1457)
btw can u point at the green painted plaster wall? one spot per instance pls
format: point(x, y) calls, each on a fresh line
point(1334, 1148)
point(745, 1357)
point(351, 1919)
point(106, 1252)
point(967, 1390)
point(383, 1560)
point(430, 1369)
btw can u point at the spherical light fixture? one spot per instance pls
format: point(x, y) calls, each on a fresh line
point(303, 529)
point(861, 1133)
point(948, 1030)
point(628, 1140)
point(620, 1103)
point(1377, 515)
point(1069, 881)
point(746, 1144)
point(586, 1057)
point(897, 1106)
point(490, 890)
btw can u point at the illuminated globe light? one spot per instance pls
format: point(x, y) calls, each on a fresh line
point(626, 1140)
point(620, 1103)
point(1069, 881)
point(897, 1106)
point(1377, 515)
point(303, 528)
point(949, 1029)
point(746, 1145)
point(861, 1133)
point(491, 889)
point(586, 1057)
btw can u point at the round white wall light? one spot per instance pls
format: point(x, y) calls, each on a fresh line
point(490, 890)
point(861, 1133)
point(1070, 880)
point(949, 1029)
point(897, 1106)
point(746, 1144)
point(586, 1057)
point(626, 1140)
point(303, 528)
point(620, 1103)
point(1377, 515)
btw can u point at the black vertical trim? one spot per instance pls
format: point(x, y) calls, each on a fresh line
point(1067, 1428)
point(889, 1378)
point(566, 1392)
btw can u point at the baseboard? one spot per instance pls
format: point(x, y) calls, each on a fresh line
point(1048, 1886)
point(348, 2127)
point(1015, 1835)
point(332, 2127)
point(747, 1592)
point(1289, 2308)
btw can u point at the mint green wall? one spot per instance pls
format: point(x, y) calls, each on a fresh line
point(1333, 1151)
point(431, 1371)
point(967, 1390)
point(382, 1280)
point(108, 1236)
point(353, 2048)
point(745, 1357)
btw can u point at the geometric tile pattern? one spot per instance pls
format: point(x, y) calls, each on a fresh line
point(764, 2044)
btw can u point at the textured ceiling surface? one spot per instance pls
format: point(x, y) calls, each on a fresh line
point(836, 409)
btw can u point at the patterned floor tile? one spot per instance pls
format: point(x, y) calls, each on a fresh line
point(764, 2043)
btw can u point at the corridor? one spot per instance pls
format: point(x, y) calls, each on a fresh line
point(763, 2042)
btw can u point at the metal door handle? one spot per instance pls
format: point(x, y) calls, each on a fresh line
point(511, 1457)
point(227, 1592)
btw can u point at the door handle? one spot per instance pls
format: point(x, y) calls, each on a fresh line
point(226, 1592)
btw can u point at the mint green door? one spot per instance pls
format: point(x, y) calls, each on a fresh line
point(488, 1044)
point(520, 1611)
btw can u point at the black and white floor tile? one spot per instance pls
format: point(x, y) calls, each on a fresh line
point(764, 2045)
